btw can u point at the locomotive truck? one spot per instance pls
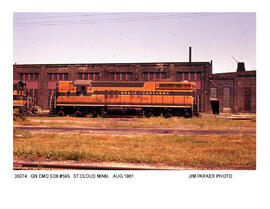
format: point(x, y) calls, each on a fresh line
point(82, 97)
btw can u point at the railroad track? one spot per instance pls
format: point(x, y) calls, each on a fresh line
point(123, 131)
point(22, 165)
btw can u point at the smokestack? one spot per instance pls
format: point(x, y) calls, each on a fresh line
point(190, 54)
point(241, 67)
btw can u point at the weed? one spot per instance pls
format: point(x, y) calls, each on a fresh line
point(213, 150)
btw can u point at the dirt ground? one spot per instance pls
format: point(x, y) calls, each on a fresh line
point(130, 131)
point(207, 124)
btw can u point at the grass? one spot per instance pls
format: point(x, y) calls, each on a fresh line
point(211, 122)
point(226, 152)
point(219, 123)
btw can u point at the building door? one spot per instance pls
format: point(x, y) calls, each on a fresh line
point(227, 99)
point(214, 100)
point(247, 99)
point(215, 107)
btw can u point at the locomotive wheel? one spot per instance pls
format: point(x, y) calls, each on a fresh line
point(187, 115)
point(78, 113)
point(61, 113)
point(148, 114)
point(167, 115)
point(157, 113)
point(104, 114)
point(94, 114)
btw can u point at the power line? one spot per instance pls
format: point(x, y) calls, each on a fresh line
point(111, 20)
point(125, 18)
point(67, 16)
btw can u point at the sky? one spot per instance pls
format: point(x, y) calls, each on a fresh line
point(224, 37)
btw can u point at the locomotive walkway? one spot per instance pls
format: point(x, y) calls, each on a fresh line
point(131, 131)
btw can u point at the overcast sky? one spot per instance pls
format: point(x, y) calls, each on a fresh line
point(41, 38)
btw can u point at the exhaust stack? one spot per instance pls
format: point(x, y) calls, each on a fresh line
point(241, 67)
point(190, 54)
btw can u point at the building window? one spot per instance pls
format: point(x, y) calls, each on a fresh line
point(213, 93)
point(88, 76)
point(124, 76)
point(152, 76)
point(111, 77)
point(65, 76)
point(58, 76)
point(163, 76)
point(120, 76)
point(145, 76)
point(97, 77)
point(186, 76)
point(117, 76)
point(198, 78)
point(29, 76)
point(26, 76)
point(247, 99)
point(192, 76)
point(80, 76)
point(91, 76)
point(227, 97)
point(180, 76)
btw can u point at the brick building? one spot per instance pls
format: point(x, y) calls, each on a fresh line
point(233, 92)
point(222, 92)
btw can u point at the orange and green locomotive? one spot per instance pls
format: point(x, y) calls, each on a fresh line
point(148, 98)
point(21, 98)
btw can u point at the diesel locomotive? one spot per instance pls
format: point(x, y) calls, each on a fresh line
point(21, 98)
point(82, 97)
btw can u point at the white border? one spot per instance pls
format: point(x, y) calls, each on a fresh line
point(148, 189)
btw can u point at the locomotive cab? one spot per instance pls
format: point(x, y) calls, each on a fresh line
point(81, 87)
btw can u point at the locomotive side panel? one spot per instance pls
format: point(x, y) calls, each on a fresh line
point(157, 98)
point(167, 100)
point(101, 95)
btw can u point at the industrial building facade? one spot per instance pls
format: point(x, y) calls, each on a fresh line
point(233, 92)
point(223, 92)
